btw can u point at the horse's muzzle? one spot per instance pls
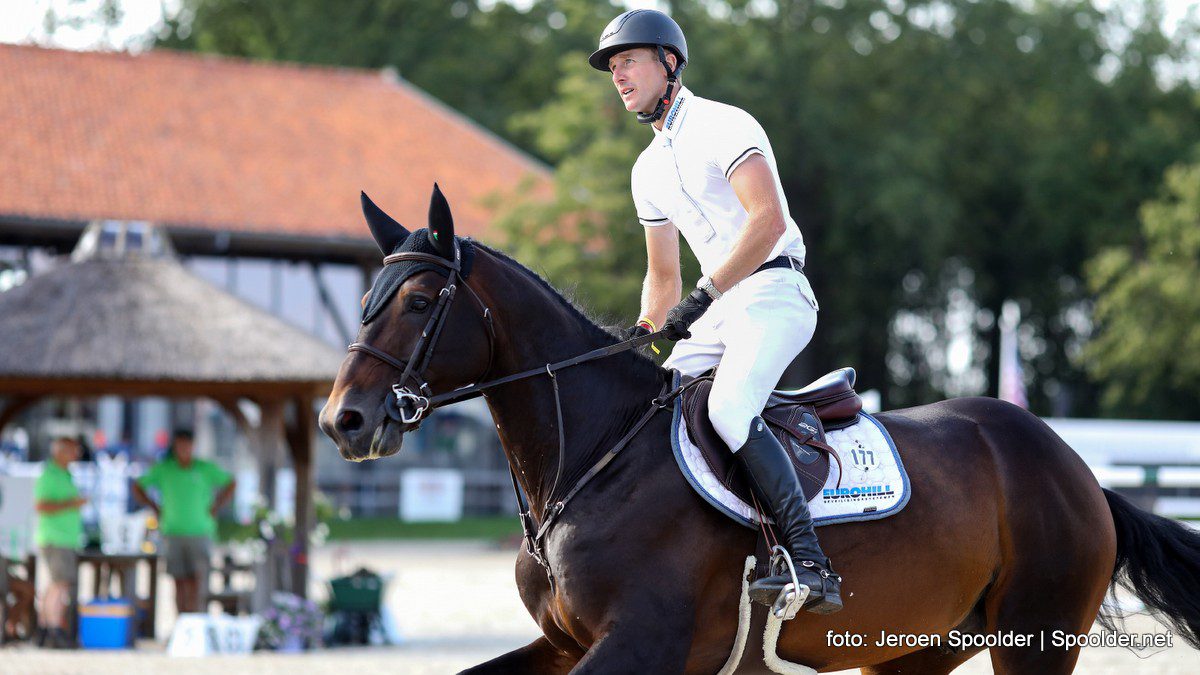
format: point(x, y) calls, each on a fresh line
point(362, 435)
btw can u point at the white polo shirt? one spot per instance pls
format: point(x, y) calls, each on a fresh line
point(682, 177)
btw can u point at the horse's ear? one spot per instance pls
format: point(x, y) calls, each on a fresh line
point(387, 232)
point(441, 224)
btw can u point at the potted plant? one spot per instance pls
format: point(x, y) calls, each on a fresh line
point(290, 624)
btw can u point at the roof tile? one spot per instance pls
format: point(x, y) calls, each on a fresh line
point(230, 144)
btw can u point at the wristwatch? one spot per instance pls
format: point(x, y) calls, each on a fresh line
point(706, 284)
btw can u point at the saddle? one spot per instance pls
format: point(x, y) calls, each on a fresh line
point(798, 419)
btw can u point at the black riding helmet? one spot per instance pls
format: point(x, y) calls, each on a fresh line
point(644, 28)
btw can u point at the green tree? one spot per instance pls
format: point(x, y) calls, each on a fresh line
point(1146, 350)
point(586, 238)
point(940, 156)
point(929, 155)
point(979, 154)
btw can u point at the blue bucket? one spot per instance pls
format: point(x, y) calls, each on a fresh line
point(106, 624)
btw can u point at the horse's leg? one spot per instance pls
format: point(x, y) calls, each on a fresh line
point(928, 661)
point(1035, 607)
point(1059, 547)
point(637, 647)
point(650, 635)
point(537, 658)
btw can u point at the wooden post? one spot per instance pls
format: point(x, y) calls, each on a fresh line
point(301, 442)
point(16, 406)
point(270, 439)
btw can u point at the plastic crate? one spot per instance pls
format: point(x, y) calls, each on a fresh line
point(106, 624)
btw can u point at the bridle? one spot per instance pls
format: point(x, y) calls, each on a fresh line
point(413, 398)
point(410, 404)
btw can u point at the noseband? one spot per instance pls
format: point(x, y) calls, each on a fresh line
point(413, 398)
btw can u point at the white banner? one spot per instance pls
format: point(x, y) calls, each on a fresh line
point(431, 495)
point(16, 515)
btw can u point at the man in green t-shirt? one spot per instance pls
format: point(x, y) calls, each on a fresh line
point(59, 533)
point(192, 491)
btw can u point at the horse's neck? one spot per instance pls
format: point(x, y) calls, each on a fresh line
point(599, 400)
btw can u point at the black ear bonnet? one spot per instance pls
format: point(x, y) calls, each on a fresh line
point(392, 276)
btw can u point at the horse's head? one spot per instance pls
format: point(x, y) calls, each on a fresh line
point(424, 332)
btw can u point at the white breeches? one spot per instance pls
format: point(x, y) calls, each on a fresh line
point(754, 331)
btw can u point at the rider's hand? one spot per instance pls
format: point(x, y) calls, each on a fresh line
point(683, 315)
point(634, 331)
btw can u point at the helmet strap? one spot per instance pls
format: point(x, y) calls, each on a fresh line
point(661, 106)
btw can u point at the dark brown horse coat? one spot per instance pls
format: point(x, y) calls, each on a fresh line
point(1006, 529)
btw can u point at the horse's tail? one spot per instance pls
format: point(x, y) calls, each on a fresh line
point(1158, 559)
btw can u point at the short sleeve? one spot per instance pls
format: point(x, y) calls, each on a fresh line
point(152, 477)
point(43, 488)
point(218, 477)
point(647, 213)
point(738, 137)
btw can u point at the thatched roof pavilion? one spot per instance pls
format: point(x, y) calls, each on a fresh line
point(117, 323)
point(124, 317)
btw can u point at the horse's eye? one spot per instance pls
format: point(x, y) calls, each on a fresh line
point(418, 305)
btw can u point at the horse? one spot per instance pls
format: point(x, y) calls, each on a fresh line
point(1006, 531)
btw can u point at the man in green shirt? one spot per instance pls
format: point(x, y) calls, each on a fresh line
point(192, 491)
point(59, 533)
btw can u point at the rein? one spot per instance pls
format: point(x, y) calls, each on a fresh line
point(410, 405)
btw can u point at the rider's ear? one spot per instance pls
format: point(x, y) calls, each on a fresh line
point(387, 232)
point(441, 224)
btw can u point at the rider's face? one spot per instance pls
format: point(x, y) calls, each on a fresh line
point(639, 78)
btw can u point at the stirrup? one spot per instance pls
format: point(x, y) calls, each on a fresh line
point(793, 595)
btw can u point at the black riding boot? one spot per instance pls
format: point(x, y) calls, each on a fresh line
point(774, 481)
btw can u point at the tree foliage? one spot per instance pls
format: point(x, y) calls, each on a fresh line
point(929, 151)
point(586, 238)
point(1147, 347)
point(940, 156)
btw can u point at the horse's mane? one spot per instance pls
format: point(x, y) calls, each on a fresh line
point(574, 310)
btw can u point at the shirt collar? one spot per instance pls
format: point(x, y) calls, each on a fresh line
point(675, 114)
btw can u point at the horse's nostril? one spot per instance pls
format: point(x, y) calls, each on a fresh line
point(349, 420)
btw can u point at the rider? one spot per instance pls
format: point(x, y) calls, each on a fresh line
point(709, 172)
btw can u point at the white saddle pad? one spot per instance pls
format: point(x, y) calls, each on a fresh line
point(874, 484)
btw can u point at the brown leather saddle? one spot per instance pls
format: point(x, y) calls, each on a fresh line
point(798, 419)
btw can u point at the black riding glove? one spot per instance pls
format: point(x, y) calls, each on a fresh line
point(634, 331)
point(683, 315)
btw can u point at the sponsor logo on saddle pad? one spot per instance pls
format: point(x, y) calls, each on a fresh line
point(857, 493)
